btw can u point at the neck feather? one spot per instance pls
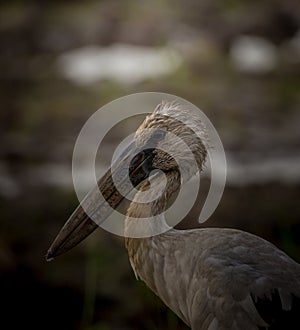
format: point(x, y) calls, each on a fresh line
point(144, 220)
point(145, 215)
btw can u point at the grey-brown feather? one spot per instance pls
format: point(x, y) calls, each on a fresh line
point(211, 278)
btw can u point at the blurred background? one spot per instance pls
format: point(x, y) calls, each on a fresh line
point(239, 61)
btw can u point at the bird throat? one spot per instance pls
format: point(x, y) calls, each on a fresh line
point(145, 220)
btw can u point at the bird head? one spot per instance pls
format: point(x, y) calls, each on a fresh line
point(169, 140)
point(169, 134)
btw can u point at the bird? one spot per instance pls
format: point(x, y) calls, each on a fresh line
point(211, 278)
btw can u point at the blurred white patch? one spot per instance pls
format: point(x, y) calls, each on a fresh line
point(52, 174)
point(9, 187)
point(255, 171)
point(123, 63)
point(263, 171)
point(253, 54)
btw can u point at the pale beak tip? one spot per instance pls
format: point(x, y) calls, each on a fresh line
point(49, 256)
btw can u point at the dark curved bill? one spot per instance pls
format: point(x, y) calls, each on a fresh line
point(80, 225)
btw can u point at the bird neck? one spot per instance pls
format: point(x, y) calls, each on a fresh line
point(145, 215)
point(149, 203)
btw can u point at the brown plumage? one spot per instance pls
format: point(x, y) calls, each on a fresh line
point(212, 278)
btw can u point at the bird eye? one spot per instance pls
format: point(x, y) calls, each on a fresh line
point(137, 159)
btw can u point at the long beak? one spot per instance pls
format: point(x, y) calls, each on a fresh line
point(79, 225)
